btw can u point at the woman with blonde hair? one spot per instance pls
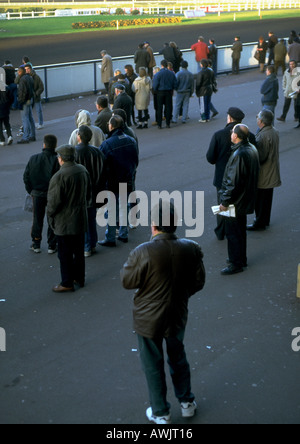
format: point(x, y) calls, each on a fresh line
point(142, 88)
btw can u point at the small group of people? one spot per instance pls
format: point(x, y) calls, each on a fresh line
point(247, 169)
point(23, 92)
point(291, 91)
point(66, 181)
point(278, 51)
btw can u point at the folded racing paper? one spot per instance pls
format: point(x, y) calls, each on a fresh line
point(229, 213)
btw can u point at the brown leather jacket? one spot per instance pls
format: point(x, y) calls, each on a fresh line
point(167, 271)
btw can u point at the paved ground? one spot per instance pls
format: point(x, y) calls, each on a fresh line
point(50, 49)
point(73, 358)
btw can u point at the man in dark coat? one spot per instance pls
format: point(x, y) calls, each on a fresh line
point(269, 90)
point(237, 49)
point(219, 153)
point(121, 159)
point(69, 197)
point(239, 188)
point(205, 82)
point(26, 101)
point(38, 173)
point(93, 160)
point(167, 271)
point(104, 114)
point(141, 58)
point(164, 84)
point(123, 101)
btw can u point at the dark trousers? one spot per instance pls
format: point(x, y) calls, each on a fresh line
point(152, 357)
point(39, 211)
point(5, 121)
point(235, 66)
point(220, 229)
point(72, 262)
point(164, 99)
point(263, 207)
point(236, 233)
point(286, 107)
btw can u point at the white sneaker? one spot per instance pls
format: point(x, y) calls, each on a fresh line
point(38, 127)
point(2, 143)
point(158, 419)
point(87, 254)
point(188, 409)
point(10, 140)
point(52, 250)
point(35, 248)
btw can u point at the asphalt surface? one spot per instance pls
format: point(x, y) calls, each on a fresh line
point(73, 358)
point(47, 50)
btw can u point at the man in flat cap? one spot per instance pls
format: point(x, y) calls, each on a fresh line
point(69, 196)
point(219, 152)
point(123, 101)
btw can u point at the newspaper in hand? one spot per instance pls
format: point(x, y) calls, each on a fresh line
point(229, 213)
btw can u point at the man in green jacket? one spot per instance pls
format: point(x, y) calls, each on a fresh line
point(69, 196)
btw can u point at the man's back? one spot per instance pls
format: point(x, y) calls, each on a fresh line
point(164, 80)
point(68, 197)
point(201, 50)
point(121, 156)
point(39, 171)
point(167, 271)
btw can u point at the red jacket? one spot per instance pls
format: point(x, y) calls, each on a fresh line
point(201, 50)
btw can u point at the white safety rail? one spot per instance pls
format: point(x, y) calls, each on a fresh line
point(146, 7)
point(73, 79)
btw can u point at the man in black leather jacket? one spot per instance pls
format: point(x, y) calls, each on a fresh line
point(239, 188)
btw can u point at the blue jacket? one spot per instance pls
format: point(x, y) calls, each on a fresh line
point(164, 80)
point(121, 160)
point(270, 89)
point(185, 81)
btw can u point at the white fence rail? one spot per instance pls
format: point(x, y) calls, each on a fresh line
point(155, 7)
point(71, 79)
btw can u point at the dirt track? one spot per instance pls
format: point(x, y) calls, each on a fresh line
point(86, 46)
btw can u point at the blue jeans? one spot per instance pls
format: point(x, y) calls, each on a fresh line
point(121, 217)
point(182, 100)
point(39, 111)
point(152, 358)
point(91, 237)
point(28, 122)
point(207, 101)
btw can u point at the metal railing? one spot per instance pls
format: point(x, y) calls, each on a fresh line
point(80, 78)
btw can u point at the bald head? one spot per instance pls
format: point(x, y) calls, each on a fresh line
point(240, 133)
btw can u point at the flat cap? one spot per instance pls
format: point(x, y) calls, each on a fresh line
point(120, 87)
point(65, 150)
point(236, 113)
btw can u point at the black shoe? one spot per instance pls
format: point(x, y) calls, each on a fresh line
point(123, 239)
point(215, 114)
point(231, 269)
point(297, 127)
point(281, 119)
point(255, 228)
point(105, 243)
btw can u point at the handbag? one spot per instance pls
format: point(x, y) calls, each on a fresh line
point(257, 55)
point(28, 205)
